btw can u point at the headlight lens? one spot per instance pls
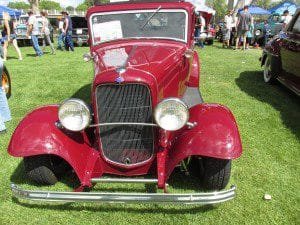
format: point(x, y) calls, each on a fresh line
point(171, 114)
point(257, 33)
point(74, 114)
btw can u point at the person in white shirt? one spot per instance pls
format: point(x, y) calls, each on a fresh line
point(228, 21)
point(46, 32)
point(202, 34)
point(33, 31)
point(286, 19)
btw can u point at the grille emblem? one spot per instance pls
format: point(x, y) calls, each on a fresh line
point(119, 79)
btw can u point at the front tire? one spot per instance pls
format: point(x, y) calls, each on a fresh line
point(267, 73)
point(214, 173)
point(43, 169)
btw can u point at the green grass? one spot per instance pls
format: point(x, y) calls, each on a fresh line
point(269, 122)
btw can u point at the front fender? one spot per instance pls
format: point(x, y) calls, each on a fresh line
point(215, 135)
point(37, 134)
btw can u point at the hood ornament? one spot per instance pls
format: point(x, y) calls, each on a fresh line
point(122, 69)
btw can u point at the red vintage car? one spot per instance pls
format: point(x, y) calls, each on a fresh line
point(281, 57)
point(146, 114)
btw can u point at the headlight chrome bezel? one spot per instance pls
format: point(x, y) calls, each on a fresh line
point(85, 107)
point(176, 101)
point(258, 32)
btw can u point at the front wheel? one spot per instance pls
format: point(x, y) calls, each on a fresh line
point(214, 173)
point(44, 169)
point(268, 76)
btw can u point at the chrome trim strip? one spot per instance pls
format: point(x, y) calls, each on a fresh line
point(123, 180)
point(122, 123)
point(192, 198)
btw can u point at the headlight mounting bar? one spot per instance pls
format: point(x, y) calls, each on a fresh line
point(123, 123)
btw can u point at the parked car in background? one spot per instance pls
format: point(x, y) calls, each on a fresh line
point(274, 26)
point(281, 57)
point(80, 33)
point(146, 115)
point(21, 31)
point(6, 82)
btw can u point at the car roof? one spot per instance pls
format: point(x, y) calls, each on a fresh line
point(139, 4)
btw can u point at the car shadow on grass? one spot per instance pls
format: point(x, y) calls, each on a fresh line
point(278, 96)
point(84, 93)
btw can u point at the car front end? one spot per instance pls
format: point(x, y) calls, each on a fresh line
point(146, 114)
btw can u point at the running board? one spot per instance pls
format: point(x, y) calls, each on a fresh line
point(192, 198)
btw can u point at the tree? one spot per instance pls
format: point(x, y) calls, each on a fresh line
point(220, 6)
point(19, 5)
point(70, 8)
point(49, 5)
point(34, 5)
point(88, 3)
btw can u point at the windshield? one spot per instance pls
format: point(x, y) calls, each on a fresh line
point(162, 24)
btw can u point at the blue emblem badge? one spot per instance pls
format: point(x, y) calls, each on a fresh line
point(119, 79)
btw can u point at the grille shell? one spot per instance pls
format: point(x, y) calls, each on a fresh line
point(125, 144)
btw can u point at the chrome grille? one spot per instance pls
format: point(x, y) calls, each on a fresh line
point(125, 144)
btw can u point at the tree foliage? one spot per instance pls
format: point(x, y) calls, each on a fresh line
point(220, 6)
point(70, 8)
point(34, 4)
point(49, 5)
point(19, 5)
point(88, 3)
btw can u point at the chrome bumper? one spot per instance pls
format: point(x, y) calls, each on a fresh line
point(194, 198)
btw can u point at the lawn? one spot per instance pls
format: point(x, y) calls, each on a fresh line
point(269, 121)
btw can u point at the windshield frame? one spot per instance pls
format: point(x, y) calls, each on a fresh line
point(185, 40)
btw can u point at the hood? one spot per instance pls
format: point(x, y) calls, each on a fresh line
point(154, 58)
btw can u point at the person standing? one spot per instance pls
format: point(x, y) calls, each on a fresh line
point(4, 109)
point(67, 31)
point(250, 34)
point(9, 36)
point(228, 20)
point(60, 37)
point(286, 19)
point(201, 34)
point(46, 32)
point(243, 23)
point(33, 31)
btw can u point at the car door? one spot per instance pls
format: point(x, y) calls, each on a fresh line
point(290, 55)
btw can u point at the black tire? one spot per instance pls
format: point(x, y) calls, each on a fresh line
point(214, 173)
point(6, 82)
point(44, 169)
point(210, 42)
point(267, 72)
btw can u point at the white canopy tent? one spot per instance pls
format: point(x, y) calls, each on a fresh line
point(201, 7)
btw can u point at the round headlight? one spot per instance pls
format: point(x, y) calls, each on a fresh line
point(257, 33)
point(171, 114)
point(74, 114)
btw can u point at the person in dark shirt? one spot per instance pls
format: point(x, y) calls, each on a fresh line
point(243, 26)
point(67, 31)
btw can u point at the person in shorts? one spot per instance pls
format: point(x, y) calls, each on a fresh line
point(243, 24)
point(46, 32)
point(228, 20)
point(9, 36)
point(250, 34)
